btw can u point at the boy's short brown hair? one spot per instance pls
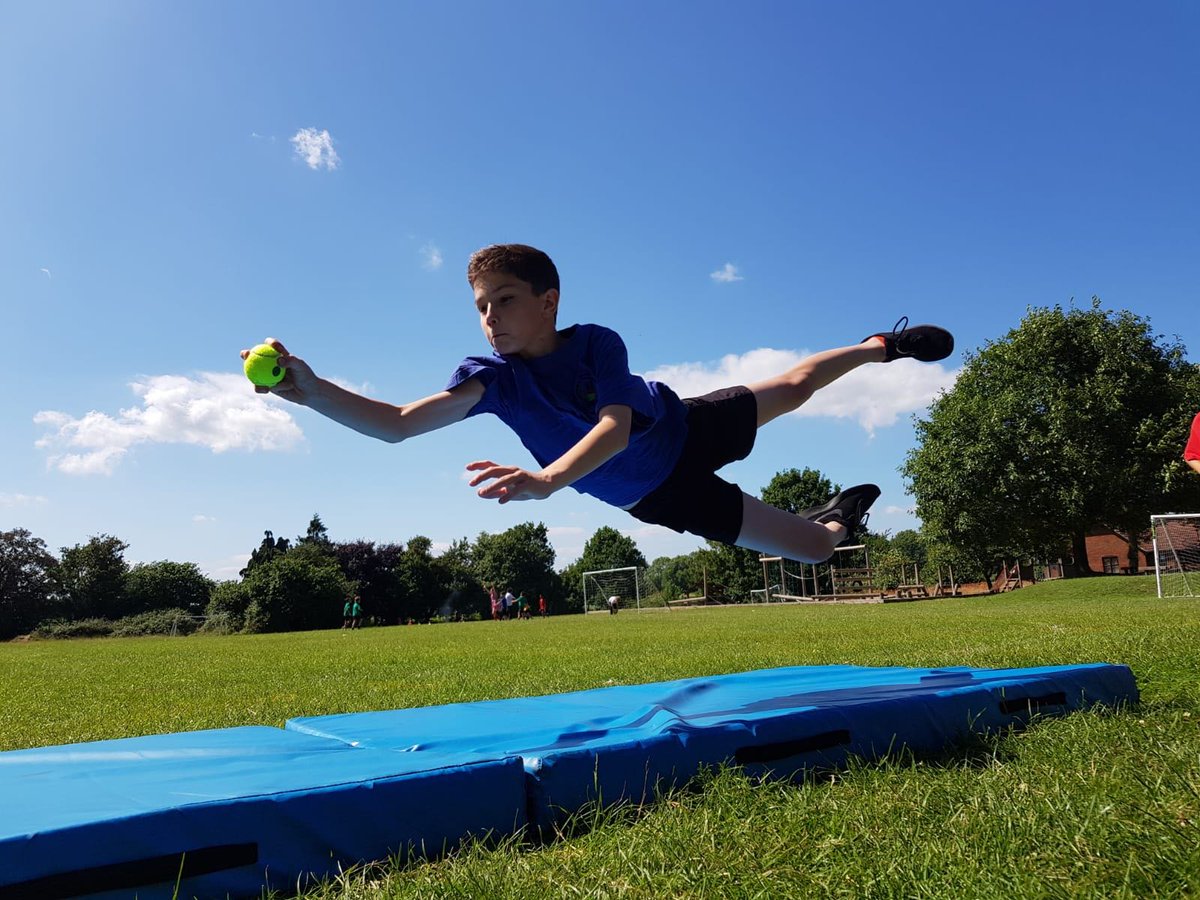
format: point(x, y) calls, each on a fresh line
point(527, 263)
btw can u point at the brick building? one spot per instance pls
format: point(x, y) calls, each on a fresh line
point(1108, 552)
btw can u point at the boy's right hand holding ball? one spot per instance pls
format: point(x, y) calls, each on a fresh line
point(275, 371)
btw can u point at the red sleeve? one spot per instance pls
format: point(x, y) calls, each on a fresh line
point(1192, 450)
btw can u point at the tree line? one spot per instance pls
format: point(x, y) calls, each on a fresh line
point(302, 583)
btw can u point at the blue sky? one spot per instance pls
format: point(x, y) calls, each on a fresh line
point(730, 188)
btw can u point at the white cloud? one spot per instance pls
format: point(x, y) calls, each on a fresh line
point(568, 541)
point(8, 501)
point(215, 410)
point(726, 274)
point(201, 519)
point(872, 395)
point(316, 148)
point(47, 271)
point(431, 257)
point(226, 569)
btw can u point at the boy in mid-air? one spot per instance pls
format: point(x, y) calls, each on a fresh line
point(594, 426)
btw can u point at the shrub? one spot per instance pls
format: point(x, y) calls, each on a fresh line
point(80, 628)
point(158, 621)
point(220, 623)
point(228, 606)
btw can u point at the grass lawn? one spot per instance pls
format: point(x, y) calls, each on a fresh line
point(1093, 804)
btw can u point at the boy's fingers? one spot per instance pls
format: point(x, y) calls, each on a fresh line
point(501, 485)
point(500, 476)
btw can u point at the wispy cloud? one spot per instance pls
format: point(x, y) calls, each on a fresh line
point(726, 274)
point(316, 148)
point(872, 395)
point(568, 541)
point(215, 410)
point(11, 501)
point(201, 519)
point(431, 257)
point(47, 271)
point(227, 568)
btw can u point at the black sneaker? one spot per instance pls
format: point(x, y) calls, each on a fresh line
point(927, 343)
point(848, 508)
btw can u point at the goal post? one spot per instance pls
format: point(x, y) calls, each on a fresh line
point(600, 584)
point(1176, 542)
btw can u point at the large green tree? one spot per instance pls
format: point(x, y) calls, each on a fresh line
point(520, 559)
point(28, 582)
point(1075, 418)
point(673, 577)
point(795, 489)
point(316, 535)
point(607, 548)
point(371, 570)
point(730, 573)
point(421, 592)
point(93, 578)
point(297, 591)
point(270, 548)
point(166, 585)
point(456, 570)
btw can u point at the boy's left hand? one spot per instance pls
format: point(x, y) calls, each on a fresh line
point(510, 482)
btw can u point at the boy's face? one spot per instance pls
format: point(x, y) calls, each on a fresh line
point(514, 319)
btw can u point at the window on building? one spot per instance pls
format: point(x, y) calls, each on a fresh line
point(1110, 565)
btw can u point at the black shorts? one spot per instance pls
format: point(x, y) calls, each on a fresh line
point(721, 429)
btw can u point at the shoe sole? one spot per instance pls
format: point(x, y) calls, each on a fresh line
point(837, 499)
point(936, 328)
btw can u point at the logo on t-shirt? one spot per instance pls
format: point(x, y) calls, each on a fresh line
point(585, 391)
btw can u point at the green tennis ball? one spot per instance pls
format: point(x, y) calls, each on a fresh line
point(262, 366)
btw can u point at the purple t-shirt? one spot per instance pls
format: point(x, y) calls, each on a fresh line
point(552, 401)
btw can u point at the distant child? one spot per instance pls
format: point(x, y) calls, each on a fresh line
point(1191, 453)
point(356, 613)
point(541, 605)
point(347, 613)
point(592, 425)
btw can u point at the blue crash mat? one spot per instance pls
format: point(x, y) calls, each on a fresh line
point(243, 807)
point(239, 809)
point(620, 743)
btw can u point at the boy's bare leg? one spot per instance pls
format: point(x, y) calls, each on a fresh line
point(774, 532)
point(785, 392)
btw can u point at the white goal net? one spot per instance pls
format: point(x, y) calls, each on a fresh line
point(601, 585)
point(1177, 554)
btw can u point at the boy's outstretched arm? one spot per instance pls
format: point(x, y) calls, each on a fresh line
point(608, 437)
point(373, 418)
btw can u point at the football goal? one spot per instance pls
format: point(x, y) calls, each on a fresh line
point(1176, 540)
point(601, 584)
